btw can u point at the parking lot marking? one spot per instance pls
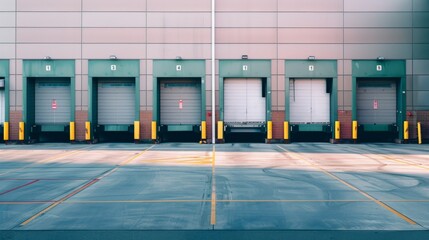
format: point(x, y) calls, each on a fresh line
point(83, 187)
point(380, 203)
point(56, 157)
point(213, 194)
point(16, 188)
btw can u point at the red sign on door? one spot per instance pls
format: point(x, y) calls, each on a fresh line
point(375, 104)
point(180, 104)
point(54, 104)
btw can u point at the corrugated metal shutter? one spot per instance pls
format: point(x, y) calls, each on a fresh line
point(244, 101)
point(309, 101)
point(376, 102)
point(180, 102)
point(52, 101)
point(2, 106)
point(116, 101)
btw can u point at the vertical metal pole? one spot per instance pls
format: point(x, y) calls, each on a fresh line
point(213, 72)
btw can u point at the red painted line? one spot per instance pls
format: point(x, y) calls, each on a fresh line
point(16, 188)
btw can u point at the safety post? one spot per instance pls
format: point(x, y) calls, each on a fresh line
point(286, 131)
point(337, 130)
point(21, 131)
point(203, 130)
point(87, 130)
point(136, 130)
point(153, 130)
point(419, 133)
point(406, 132)
point(269, 130)
point(220, 130)
point(72, 131)
point(6, 131)
point(355, 130)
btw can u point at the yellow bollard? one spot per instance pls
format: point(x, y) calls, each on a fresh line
point(136, 130)
point(286, 130)
point(355, 130)
point(72, 131)
point(337, 130)
point(21, 131)
point(220, 130)
point(406, 132)
point(419, 132)
point(203, 130)
point(154, 130)
point(6, 131)
point(269, 130)
point(87, 131)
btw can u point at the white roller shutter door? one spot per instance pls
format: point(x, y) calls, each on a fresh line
point(53, 101)
point(180, 102)
point(243, 100)
point(376, 102)
point(309, 101)
point(116, 101)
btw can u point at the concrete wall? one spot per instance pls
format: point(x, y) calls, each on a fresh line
point(272, 29)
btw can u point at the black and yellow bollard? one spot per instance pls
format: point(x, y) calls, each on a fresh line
point(72, 131)
point(203, 132)
point(136, 131)
point(286, 132)
point(21, 135)
point(406, 132)
point(419, 133)
point(354, 131)
point(6, 131)
point(87, 131)
point(220, 131)
point(154, 131)
point(269, 131)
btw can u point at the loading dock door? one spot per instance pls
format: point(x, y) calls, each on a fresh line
point(376, 101)
point(116, 101)
point(52, 101)
point(309, 101)
point(244, 100)
point(180, 102)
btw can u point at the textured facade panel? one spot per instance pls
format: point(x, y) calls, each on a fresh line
point(421, 83)
point(122, 51)
point(421, 19)
point(311, 20)
point(114, 35)
point(49, 19)
point(303, 51)
point(123, 5)
point(55, 51)
point(49, 5)
point(310, 35)
point(48, 35)
point(179, 35)
point(7, 5)
point(178, 19)
point(248, 6)
point(421, 66)
point(246, 20)
point(377, 20)
point(372, 51)
point(7, 19)
point(421, 35)
point(7, 51)
point(7, 35)
point(114, 19)
point(421, 51)
point(311, 5)
point(246, 35)
point(174, 6)
point(372, 35)
point(421, 5)
point(254, 51)
point(378, 6)
point(171, 51)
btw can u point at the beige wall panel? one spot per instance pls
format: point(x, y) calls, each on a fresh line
point(348, 67)
point(182, 5)
point(421, 35)
point(114, 35)
point(7, 51)
point(274, 99)
point(281, 100)
point(246, 35)
point(311, 5)
point(177, 19)
point(78, 82)
point(171, 51)
point(378, 6)
point(48, 35)
point(48, 5)
point(49, 19)
point(421, 5)
point(179, 35)
point(7, 5)
point(326, 20)
point(7, 35)
point(114, 19)
point(302, 51)
point(372, 51)
point(378, 20)
point(7, 19)
point(122, 51)
point(123, 5)
point(254, 51)
point(55, 51)
point(143, 71)
point(310, 35)
point(246, 6)
point(386, 35)
point(248, 20)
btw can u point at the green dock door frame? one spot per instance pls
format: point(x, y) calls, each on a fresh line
point(45, 69)
point(244, 68)
point(313, 69)
point(382, 69)
point(176, 69)
point(4, 73)
point(111, 68)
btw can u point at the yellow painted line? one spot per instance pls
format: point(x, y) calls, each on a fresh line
point(83, 187)
point(213, 199)
point(404, 162)
point(382, 204)
point(56, 157)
